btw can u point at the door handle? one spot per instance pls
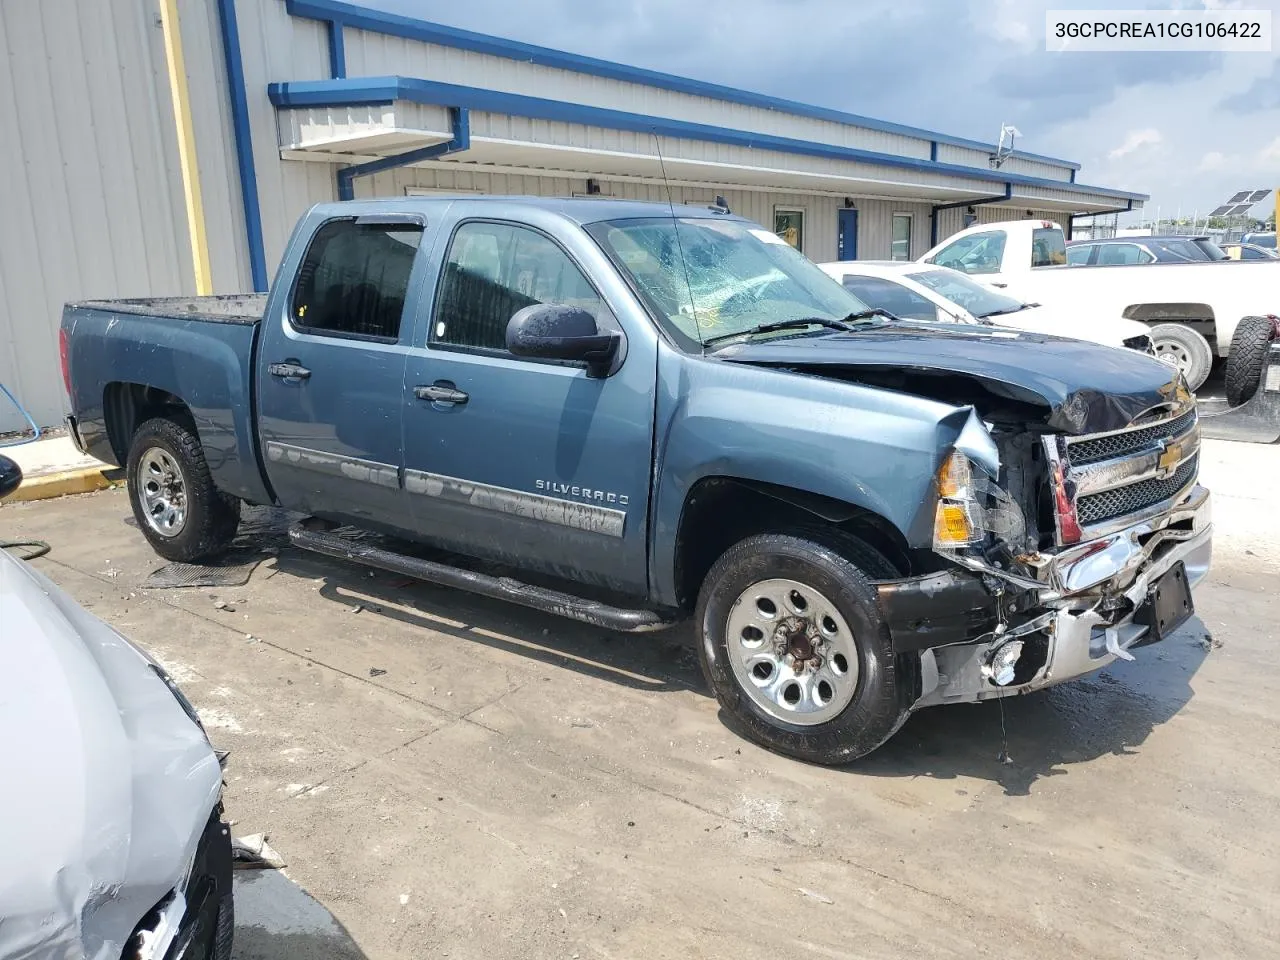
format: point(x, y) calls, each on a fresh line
point(440, 392)
point(288, 370)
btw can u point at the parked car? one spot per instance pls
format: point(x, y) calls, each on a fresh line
point(111, 821)
point(1113, 251)
point(862, 516)
point(1191, 308)
point(1249, 251)
point(919, 292)
point(1267, 240)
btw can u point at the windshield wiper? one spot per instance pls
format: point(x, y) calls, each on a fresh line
point(1000, 313)
point(796, 323)
point(863, 315)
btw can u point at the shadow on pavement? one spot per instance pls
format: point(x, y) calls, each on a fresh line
point(1106, 713)
point(1110, 712)
point(278, 920)
point(663, 661)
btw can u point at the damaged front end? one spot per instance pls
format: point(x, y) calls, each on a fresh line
point(1057, 560)
point(112, 829)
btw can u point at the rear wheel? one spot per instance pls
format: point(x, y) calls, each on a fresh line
point(1185, 349)
point(179, 510)
point(1248, 356)
point(793, 646)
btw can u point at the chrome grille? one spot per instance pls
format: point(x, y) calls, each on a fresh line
point(1110, 504)
point(1092, 449)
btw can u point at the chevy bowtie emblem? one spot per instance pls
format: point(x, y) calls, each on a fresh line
point(1170, 457)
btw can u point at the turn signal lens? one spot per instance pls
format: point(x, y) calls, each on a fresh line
point(955, 477)
point(953, 526)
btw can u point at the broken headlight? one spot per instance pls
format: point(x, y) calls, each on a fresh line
point(972, 508)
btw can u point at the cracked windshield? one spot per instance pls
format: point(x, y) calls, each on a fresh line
point(709, 279)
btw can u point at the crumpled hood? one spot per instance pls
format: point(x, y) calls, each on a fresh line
point(107, 783)
point(1087, 387)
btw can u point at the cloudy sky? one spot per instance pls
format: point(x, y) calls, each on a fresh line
point(1188, 128)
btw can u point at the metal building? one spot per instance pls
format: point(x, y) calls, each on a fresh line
point(162, 147)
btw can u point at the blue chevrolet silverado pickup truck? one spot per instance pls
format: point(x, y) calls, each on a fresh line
point(635, 414)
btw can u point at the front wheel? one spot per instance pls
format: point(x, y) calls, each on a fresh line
point(179, 510)
point(792, 644)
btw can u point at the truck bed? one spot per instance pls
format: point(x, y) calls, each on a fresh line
point(245, 308)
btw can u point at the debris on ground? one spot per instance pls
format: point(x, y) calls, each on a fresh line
point(1209, 642)
point(813, 895)
point(254, 853)
point(376, 672)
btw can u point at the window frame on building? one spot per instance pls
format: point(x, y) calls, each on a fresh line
point(788, 210)
point(893, 235)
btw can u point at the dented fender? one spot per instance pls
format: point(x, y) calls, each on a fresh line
point(878, 450)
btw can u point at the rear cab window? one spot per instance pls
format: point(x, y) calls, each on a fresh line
point(354, 279)
point(1048, 247)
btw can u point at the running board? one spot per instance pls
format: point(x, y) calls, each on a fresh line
point(315, 535)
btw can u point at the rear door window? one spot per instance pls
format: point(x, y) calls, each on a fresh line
point(1079, 255)
point(1115, 254)
point(891, 296)
point(354, 279)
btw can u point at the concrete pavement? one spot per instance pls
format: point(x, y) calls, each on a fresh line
point(452, 776)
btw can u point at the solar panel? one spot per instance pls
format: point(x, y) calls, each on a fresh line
point(1258, 195)
point(1239, 209)
point(1221, 211)
point(1240, 197)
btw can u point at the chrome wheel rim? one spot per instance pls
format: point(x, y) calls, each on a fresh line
point(1174, 354)
point(162, 491)
point(792, 651)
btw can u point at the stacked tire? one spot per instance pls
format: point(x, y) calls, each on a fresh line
point(1248, 358)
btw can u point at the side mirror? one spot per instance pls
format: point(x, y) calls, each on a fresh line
point(10, 477)
point(560, 332)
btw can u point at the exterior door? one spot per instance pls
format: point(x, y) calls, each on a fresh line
point(531, 463)
point(331, 372)
point(846, 234)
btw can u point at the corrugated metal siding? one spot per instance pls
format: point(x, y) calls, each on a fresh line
point(875, 227)
point(372, 54)
point(276, 46)
point(88, 160)
point(969, 157)
point(819, 212)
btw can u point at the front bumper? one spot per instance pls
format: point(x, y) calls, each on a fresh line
point(196, 918)
point(1076, 615)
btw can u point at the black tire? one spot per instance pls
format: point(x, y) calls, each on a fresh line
point(1248, 356)
point(224, 935)
point(1192, 350)
point(880, 701)
point(211, 517)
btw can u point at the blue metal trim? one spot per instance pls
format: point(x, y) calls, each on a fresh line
point(365, 91)
point(337, 50)
point(933, 214)
point(243, 144)
point(460, 120)
point(424, 31)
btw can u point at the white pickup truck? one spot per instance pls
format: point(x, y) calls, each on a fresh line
point(1193, 309)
